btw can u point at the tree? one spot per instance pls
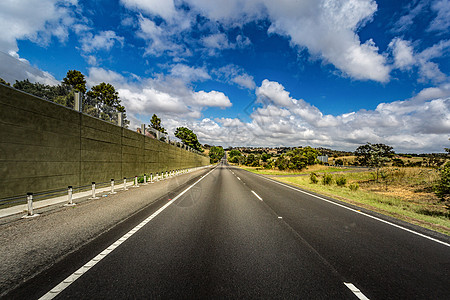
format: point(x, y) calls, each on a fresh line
point(233, 153)
point(442, 188)
point(105, 93)
point(4, 82)
point(188, 137)
point(216, 153)
point(374, 155)
point(76, 80)
point(155, 123)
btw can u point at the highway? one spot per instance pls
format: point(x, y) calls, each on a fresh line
point(235, 234)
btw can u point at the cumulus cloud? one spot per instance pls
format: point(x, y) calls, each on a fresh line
point(36, 20)
point(419, 124)
point(403, 53)
point(168, 96)
point(13, 68)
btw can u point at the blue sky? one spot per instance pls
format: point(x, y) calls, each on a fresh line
point(324, 73)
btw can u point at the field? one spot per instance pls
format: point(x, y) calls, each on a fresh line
point(403, 193)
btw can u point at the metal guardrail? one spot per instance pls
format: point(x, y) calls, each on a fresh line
point(127, 182)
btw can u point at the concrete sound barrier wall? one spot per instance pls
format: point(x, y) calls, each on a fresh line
point(45, 146)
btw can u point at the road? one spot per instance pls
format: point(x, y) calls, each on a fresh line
point(234, 234)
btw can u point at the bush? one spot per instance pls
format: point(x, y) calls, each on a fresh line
point(327, 179)
point(354, 186)
point(442, 188)
point(313, 178)
point(341, 181)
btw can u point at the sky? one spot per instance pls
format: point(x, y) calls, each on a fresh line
point(324, 73)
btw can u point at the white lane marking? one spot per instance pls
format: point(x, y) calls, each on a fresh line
point(257, 195)
point(356, 291)
point(280, 217)
point(361, 213)
point(77, 274)
point(238, 178)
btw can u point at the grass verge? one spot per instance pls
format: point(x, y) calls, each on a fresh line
point(315, 168)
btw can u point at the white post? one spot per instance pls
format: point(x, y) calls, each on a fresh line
point(151, 177)
point(135, 182)
point(112, 187)
point(125, 184)
point(30, 204)
point(145, 179)
point(69, 196)
point(93, 191)
point(120, 119)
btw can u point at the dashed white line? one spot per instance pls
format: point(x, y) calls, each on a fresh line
point(238, 178)
point(356, 291)
point(360, 212)
point(257, 196)
point(77, 274)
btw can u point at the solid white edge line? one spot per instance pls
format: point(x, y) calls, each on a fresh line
point(256, 195)
point(356, 291)
point(77, 274)
point(361, 213)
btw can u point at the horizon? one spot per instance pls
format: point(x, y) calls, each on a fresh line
point(253, 73)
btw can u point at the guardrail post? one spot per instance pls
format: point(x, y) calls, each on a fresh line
point(145, 179)
point(135, 181)
point(69, 196)
point(125, 184)
point(93, 191)
point(30, 212)
point(112, 187)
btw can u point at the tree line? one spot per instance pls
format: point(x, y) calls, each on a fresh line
point(101, 101)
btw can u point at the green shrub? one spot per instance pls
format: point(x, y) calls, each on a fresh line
point(442, 188)
point(313, 178)
point(354, 186)
point(341, 181)
point(327, 179)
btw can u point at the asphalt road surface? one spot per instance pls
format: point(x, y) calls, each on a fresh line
point(234, 234)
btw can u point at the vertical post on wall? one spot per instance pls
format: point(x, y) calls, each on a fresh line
point(120, 119)
point(77, 104)
point(143, 129)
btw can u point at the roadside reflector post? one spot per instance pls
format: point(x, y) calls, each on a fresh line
point(167, 174)
point(30, 204)
point(112, 187)
point(93, 191)
point(151, 177)
point(70, 196)
point(145, 179)
point(125, 184)
point(135, 181)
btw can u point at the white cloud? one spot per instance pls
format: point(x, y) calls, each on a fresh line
point(327, 28)
point(403, 53)
point(35, 20)
point(104, 40)
point(164, 9)
point(413, 10)
point(189, 74)
point(419, 124)
point(405, 58)
point(211, 99)
point(442, 21)
point(235, 74)
point(13, 68)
